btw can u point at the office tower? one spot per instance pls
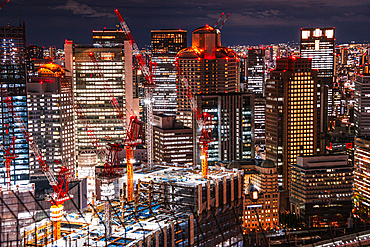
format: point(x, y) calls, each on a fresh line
point(51, 119)
point(262, 198)
point(232, 126)
point(173, 142)
point(108, 37)
point(319, 45)
point(209, 68)
point(256, 84)
point(89, 89)
point(321, 189)
point(291, 113)
point(165, 45)
point(362, 102)
point(256, 71)
point(361, 189)
point(13, 84)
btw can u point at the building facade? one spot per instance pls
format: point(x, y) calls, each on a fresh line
point(261, 209)
point(232, 126)
point(51, 119)
point(321, 189)
point(13, 85)
point(291, 113)
point(362, 103)
point(165, 45)
point(361, 188)
point(209, 68)
point(173, 142)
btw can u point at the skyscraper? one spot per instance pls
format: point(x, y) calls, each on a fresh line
point(232, 126)
point(13, 84)
point(362, 102)
point(291, 113)
point(89, 89)
point(209, 68)
point(51, 119)
point(256, 84)
point(319, 45)
point(165, 45)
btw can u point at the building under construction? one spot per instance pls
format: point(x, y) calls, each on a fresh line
point(172, 206)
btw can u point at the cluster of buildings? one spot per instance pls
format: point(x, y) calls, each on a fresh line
point(287, 115)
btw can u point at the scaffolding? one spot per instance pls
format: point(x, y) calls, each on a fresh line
point(172, 206)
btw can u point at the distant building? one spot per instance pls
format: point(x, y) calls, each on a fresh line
point(321, 189)
point(51, 119)
point(291, 113)
point(261, 209)
point(232, 126)
point(33, 53)
point(209, 68)
point(13, 85)
point(361, 186)
point(165, 45)
point(256, 71)
point(173, 142)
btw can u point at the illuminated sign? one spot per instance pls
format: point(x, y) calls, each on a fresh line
point(255, 195)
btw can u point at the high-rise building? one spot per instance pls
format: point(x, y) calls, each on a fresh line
point(165, 45)
point(321, 189)
point(291, 113)
point(261, 209)
point(13, 85)
point(33, 53)
point(89, 89)
point(362, 102)
point(256, 84)
point(209, 68)
point(51, 119)
point(232, 126)
point(256, 71)
point(173, 142)
point(319, 45)
point(361, 187)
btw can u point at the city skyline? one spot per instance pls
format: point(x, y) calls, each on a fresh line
point(250, 22)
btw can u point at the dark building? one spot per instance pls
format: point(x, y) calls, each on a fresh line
point(291, 113)
point(173, 143)
point(33, 53)
point(209, 68)
point(232, 126)
point(165, 45)
point(321, 189)
point(13, 85)
point(109, 37)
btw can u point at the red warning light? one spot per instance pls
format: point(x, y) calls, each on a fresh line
point(41, 82)
point(90, 54)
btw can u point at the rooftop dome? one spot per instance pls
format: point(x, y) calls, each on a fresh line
point(51, 69)
point(268, 164)
point(206, 29)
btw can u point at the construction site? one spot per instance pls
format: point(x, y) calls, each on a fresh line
point(146, 205)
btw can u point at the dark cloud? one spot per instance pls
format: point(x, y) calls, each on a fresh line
point(49, 22)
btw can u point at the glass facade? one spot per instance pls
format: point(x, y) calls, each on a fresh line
point(13, 84)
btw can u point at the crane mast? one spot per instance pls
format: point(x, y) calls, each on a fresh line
point(60, 185)
point(203, 121)
point(149, 84)
point(9, 157)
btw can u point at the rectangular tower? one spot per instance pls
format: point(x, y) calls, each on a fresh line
point(291, 113)
point(13, 85)
point(165, 45)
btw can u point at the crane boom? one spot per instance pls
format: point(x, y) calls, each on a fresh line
point(3, 3)
point(149, 84)
point(218, 21)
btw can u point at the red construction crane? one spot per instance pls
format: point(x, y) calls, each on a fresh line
point(60, 185)
point(149, 85)
point(203, 121)
point(9, 157)
point(2, 4)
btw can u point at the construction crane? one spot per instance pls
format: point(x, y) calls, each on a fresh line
point(218, 21)
point(9, 157)
point(149, 85)
point(203, 121)
point(60, 184)
point(2, 4)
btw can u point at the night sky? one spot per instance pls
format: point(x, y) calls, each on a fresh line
point(251, 22)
